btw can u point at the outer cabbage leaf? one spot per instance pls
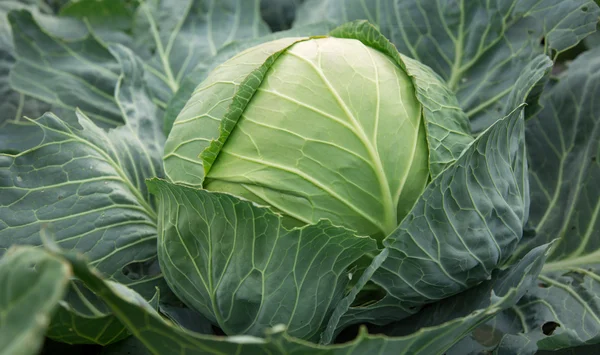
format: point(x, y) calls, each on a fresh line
point(487, 336)
point(479, 47)
point(161, 337)
point(33, 282)
point(86, 187)
point(189, 33)
point(129, 346)
point(174, 37)
point(109, 21)
point(105, 14)
point(15, 132)
point(235, 263)
point(82, 318)
point(63, 64)
point(563, 144)
point(593, 40)
point(186, 318)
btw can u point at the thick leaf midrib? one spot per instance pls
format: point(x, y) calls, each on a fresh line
point(19, 111)
point(485, 104)
point(173, 85)
point(34, 44)
point(236, 23)
point(589, 231)
point(481, 49)
point(573, 261)
point(209, 34)
point(134, 283)
point(456, 70)
point(132, 188)
point(413, 53)
point(474, 92)
point(177, 29)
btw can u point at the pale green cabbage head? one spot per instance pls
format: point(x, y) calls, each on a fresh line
point(315, 128)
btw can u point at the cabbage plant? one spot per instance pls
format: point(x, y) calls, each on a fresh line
point(329, 171)
point(392, 177)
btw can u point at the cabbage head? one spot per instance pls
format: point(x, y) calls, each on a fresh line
point(333, 127)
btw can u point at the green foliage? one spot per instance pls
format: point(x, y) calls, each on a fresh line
point(392, 177)
point(33, 282)
point(161, 337)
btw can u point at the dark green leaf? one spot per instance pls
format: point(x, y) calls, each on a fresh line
point(66, 66)
point(593, 40)
point(16, 134)
point(86, 186)
point(235, 263)
point(160, 337)
point(529, 86)
point(279, 14)
point(174, 37)
point(456, 316)
point(563, 144)
point(32, 283)
point(116, 14)
point(110, 21)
